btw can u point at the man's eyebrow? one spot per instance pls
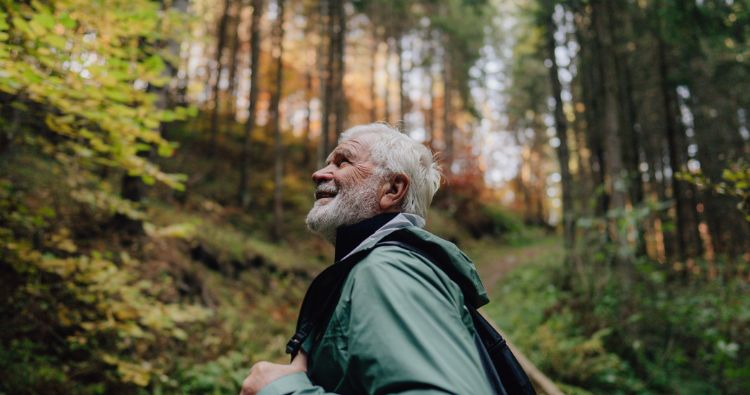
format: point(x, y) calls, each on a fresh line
point(346, 152)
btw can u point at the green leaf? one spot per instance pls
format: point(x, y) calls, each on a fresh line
point(45, 20)
point(67, 21)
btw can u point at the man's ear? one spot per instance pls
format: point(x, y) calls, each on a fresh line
point(393, 193)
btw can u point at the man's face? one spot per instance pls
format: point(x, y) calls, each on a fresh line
point(347, 189)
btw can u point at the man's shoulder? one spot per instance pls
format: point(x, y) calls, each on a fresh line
point(383, 259)
point(393, 266)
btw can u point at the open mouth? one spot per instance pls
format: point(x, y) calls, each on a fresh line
point(323, 194)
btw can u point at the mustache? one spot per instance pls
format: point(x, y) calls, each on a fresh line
point(326, 189)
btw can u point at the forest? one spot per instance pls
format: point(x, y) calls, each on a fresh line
point(155, 162)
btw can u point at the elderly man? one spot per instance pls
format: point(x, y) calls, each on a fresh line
point(399, 324)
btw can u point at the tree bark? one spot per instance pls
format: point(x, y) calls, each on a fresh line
point(402, 99)
point(274, 115)
point(340, 37)
point(243, 195)
point(328, 95)
point(233, 52)
point(614, 182)
point(629, 119)
point(591, 90)
point(220, 44)
point(561, 128)
point(373, 72)
point(447, 116)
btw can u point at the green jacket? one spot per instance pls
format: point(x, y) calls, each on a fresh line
point(400, 326)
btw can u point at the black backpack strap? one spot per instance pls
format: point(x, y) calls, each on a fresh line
point(320, 301)
point(503, 370)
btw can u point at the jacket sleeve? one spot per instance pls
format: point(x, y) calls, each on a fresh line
point(405, 333)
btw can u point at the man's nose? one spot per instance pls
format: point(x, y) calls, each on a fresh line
point(322, 175)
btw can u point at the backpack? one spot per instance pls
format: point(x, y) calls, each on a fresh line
point(504, 372)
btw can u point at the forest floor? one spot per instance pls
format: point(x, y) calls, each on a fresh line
point(509, 257)
point(494, 259)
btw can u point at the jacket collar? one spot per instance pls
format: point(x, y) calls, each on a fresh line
point(363, 235)
point(348, 237)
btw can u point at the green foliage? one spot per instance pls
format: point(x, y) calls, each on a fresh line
point(80, 79)
point(735, 182)
point(101, 320)
point(531, 308)
point(593, 329)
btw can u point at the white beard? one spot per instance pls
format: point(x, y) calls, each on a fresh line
point(348, 207)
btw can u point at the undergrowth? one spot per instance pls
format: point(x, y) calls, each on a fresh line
point(645, 336)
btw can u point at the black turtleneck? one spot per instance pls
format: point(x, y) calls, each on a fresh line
point(348, 237)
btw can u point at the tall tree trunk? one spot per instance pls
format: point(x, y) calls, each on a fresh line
point(629, 116)
point(561, 127)
point(401, 91)
point(591, 90)
point(373, 72)
point(340, 37)
point(220, 44)
point(328, 96)
point(233, 53)
point(431, 113)
point(321, 62)
point(614, 182)
point(274, 115)
point(447, 116)
point(243, 195)
point(387, 87)
point(308, 112)
point(686, 245)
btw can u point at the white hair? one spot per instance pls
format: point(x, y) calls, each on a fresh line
point(393, 152)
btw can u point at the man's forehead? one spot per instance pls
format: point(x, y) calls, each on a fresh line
point(357, 146)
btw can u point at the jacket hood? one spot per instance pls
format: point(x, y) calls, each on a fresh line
point(408, 228)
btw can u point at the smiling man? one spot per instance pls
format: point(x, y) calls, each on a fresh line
point(396, 322)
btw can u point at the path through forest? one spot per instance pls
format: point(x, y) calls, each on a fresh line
point(494, 263)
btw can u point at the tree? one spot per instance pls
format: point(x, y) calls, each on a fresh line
point(221, 37)
point(243, 195)
point(561, 127)
point(278, 55)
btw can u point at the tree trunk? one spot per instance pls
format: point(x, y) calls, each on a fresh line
point(308, 114)
point(274, 115)
point(591, 90)
point(373, 71)
point(447, 116)
point(233, 52)
point(243, 195)
point(321, 63)
point(614, 182)
point(340, 37)
point(220, 44)
point(685, 243)
point(431, 113)
point(401, 92)
point(328, 97)
point(561, 127)
point(629, 117)
point(387, 87)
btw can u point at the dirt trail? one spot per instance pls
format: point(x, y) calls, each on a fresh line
point(492, 270)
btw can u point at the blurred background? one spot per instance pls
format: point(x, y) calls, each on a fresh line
point(155, 161)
